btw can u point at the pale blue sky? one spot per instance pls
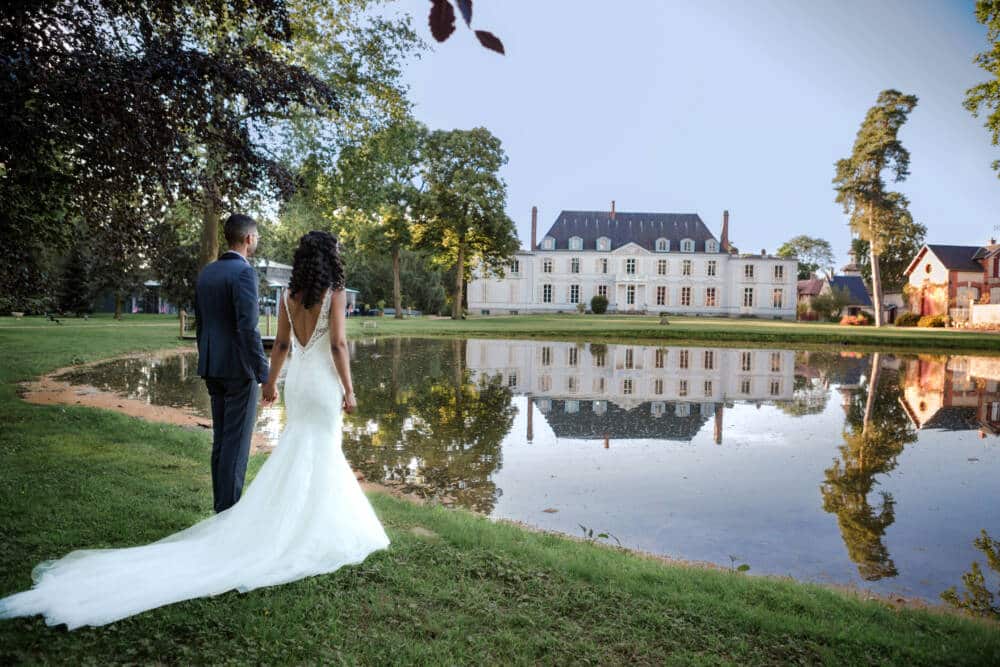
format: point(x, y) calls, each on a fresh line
point(673, 106)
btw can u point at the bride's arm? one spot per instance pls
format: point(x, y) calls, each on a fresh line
point(282, 343)
point(338, 347)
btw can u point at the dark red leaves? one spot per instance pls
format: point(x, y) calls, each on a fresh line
point(465, 6)
point(442, 19)
point(490, 41)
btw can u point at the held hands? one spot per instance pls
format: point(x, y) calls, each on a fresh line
point(268, 394)
point(350, 402)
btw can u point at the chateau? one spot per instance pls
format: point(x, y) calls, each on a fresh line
point(642, 263)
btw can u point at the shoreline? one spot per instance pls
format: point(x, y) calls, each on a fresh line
point(46, 390)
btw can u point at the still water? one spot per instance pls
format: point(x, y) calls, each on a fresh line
point(869, 470)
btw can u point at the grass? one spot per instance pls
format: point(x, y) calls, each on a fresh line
point(470, 592)
point(719, 331)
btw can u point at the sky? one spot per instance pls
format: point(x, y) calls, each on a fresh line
point(696, 107)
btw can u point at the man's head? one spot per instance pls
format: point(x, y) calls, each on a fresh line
point(241, 234)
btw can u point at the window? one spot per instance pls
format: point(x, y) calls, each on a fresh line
point(512, 380)
point(709, 360)
point(575, 243)
point(682, 409)
point(602, 265)
point(547, 293)
point(661, 267)
point(574, 265)
point(779, 272)
point(547, 265)
point(572, 356)
point(630, 295)
point(598, 386)
point(660, 358)
point(710, 297)
point(602, 290)
point(686, 267)
point(545, 384)
point(746, 361)
point(685, 296)
point(711, 245)
point(574, 294)
point(604, 243)
point(748, 297)
point(546, 356)
point(548, 243)
point(661, 295)
point(662, 245)
point(572, 384)
point(776, 362)
point(745, 386)
point(748, 271)
point(708, 388)
point(627, 386)
point(630, 266)
point(928, 268)
point(658, 387)
point(711, 267)
point(515, 267)
point(687, 245)
point(775, 387)
point(778, 298)
point(682, 387)
point(682, 359)
point(629, 358)
point(599, 355)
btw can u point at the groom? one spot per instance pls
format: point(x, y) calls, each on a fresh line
point(230, 355)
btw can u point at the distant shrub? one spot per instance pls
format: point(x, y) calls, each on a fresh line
point(859, 320)
point(599, 304)
point(581, 308)
point(935, 321)
point(907, 320)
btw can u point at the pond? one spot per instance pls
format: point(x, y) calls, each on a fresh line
point(876, 471)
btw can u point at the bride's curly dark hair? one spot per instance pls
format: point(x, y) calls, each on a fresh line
point(316, 267)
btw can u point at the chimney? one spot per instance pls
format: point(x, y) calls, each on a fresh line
point(534, 228)
point(763, 252)
point(531, 413)
point(718, 423)
point(612, 209)
point(724, 241)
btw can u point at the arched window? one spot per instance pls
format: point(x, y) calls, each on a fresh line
point(548, 243)
point(687, 245)
point(604, 243)
point(662, 245)
point(575, 243)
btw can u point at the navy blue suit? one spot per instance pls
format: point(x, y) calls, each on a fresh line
point(232, 361)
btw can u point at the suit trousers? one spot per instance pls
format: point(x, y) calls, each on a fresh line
point(234, 412)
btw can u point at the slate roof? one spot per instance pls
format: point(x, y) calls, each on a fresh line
point(619, 423)
point(810, 287)
point(641, 228)
point(953, 418)
point(856, 286)
point(958, 257)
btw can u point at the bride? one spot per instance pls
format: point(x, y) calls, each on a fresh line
point(303, 515)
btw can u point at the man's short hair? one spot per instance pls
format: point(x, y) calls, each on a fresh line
point(237, 227)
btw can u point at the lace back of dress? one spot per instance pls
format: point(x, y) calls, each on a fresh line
point(322, 324)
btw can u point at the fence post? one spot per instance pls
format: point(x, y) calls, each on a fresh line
point(183, 318)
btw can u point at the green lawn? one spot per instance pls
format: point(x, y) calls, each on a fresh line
point(722, 331)
point(468, 592)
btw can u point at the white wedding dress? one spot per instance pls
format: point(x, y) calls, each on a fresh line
point(304, 514)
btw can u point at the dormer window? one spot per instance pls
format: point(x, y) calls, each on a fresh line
point(575, 243)
point(548, 243)
point(711, 245)
point(604, 243)
point(662, 245)
point(687, 245)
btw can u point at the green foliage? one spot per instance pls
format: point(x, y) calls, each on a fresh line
point(814, 254)
point(978, 599)
point(76, 291)
point(935, 321)
point(907, 319)
point(907, 239)
point(598, 304)
point(829, 304)
point(984, 98)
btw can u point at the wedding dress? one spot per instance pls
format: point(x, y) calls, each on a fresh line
point(304, 514)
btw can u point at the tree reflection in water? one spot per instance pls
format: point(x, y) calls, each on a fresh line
point(876, 430)
point(425, 426)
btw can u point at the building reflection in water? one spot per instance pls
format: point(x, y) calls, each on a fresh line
point(953, 393)
point(606, 392)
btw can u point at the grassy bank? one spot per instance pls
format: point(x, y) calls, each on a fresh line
point(614, 328)
point(461, 590)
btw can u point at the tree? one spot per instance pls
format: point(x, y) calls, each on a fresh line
point(379, 177)
point(860, 185)
point(76, 293)
point(829, 304)
point(985, 97)
point(908, 238)
point(814, 254)
point(175, 253)
point(461, 218)
point(442, 23)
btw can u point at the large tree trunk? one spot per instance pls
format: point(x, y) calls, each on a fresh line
point(118, 305)
point(397, 295)
point(456, 305)
point(209, 224)
point(872, 391)
point(876, 285)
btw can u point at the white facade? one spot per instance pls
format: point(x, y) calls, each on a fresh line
point(672, 277)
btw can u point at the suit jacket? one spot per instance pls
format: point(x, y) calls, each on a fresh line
point(226, 311)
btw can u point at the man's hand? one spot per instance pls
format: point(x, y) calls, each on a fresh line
point(268, 395)
point(350, 402)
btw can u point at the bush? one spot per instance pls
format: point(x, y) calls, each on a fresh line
point(599, 304)
point(581, 308)
point(907, 320)
point(859, 320)
point(935, 321)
